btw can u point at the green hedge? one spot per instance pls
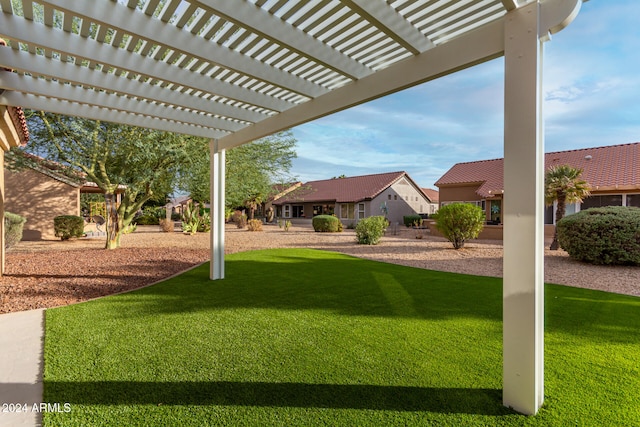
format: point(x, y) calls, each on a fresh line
point(13, 226)
point(607, 235)
point(68, 226)
point(147, 219)
point(410, 220)
point(326, 224)
point(370, 230)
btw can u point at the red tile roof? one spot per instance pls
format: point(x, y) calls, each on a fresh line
point(433, 195)
point(610, 168)
point(344, 190)
point(20, 123)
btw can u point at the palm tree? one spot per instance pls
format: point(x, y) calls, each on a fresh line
point(563, 184)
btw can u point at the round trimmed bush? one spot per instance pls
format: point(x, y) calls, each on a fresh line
point(369, 230)
point(606, 235)
point(459, 222)
point(13, 226)
point(68, 226)
point(326, 224)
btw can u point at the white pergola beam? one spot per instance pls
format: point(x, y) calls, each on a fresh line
point(67, 72)
point(91, 50)
point(523, 262)
point(390, 22)
point(269, 26)
point(95, 113)
point(217, 167)
point(133, 21)
point(475, 47)
point(510, 5)
point(526, 29)
point(101, 99)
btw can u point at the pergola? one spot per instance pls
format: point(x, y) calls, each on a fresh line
point(237, 70)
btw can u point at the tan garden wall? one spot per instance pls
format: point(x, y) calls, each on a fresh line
point(39, 198)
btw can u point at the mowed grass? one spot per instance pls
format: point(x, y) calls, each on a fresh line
point(305, 337)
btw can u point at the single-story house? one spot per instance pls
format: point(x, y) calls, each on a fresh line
point(392, 194)
point(278, 191)
point(40, 190)
point(612, 171)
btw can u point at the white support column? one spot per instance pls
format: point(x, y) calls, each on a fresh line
point(217, 171)
point(523, 285)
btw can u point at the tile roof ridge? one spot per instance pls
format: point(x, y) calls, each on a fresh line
point(603, 147)
point(398, 174)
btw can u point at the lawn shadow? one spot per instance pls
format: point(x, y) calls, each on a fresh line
point(299, 395)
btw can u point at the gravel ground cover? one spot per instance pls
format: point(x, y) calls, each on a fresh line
point(52, 273)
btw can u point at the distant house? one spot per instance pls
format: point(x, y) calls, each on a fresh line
point(40, 190)
point(39, 193)
point(392, 194)
point(612, 171)
point(434, 196)
point(278, 191)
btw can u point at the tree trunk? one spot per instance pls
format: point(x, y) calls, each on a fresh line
point(560, 210)
point(113, 222)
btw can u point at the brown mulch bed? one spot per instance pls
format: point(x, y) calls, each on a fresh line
point(46, 279)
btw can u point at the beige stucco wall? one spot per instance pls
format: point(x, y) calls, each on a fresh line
point(39, 198)
point(402, 198)
point(465, 193)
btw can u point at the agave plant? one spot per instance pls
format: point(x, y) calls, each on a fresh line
point(191, 220)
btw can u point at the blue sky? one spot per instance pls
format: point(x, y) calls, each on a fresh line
point(592, 98)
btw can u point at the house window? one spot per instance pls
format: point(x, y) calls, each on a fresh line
point(598, 201)
point(389, 196)
point(287, 211)
point(298, 211)
point(360, 210)
point(395, 197)
point(495, 207)
point(347, 211)
point(633, 200)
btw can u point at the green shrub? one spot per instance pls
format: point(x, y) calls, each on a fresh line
point(254, 225)
point(68, 226)
point(147, 219)
point(410, 220)
point(205, 221)
point(240, 220)
point(607, 235)
point(13, 225)
point(369, 230)
point(326, 224)
point(459, 222)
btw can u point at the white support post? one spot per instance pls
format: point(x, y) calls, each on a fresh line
point(217, 171)
point(523, 285)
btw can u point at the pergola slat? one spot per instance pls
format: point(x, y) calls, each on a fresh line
point(91, 112)
point(91, 50)
point(106, 100)
point(130, 21)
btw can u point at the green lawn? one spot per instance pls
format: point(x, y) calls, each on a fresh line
point(305, 337)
